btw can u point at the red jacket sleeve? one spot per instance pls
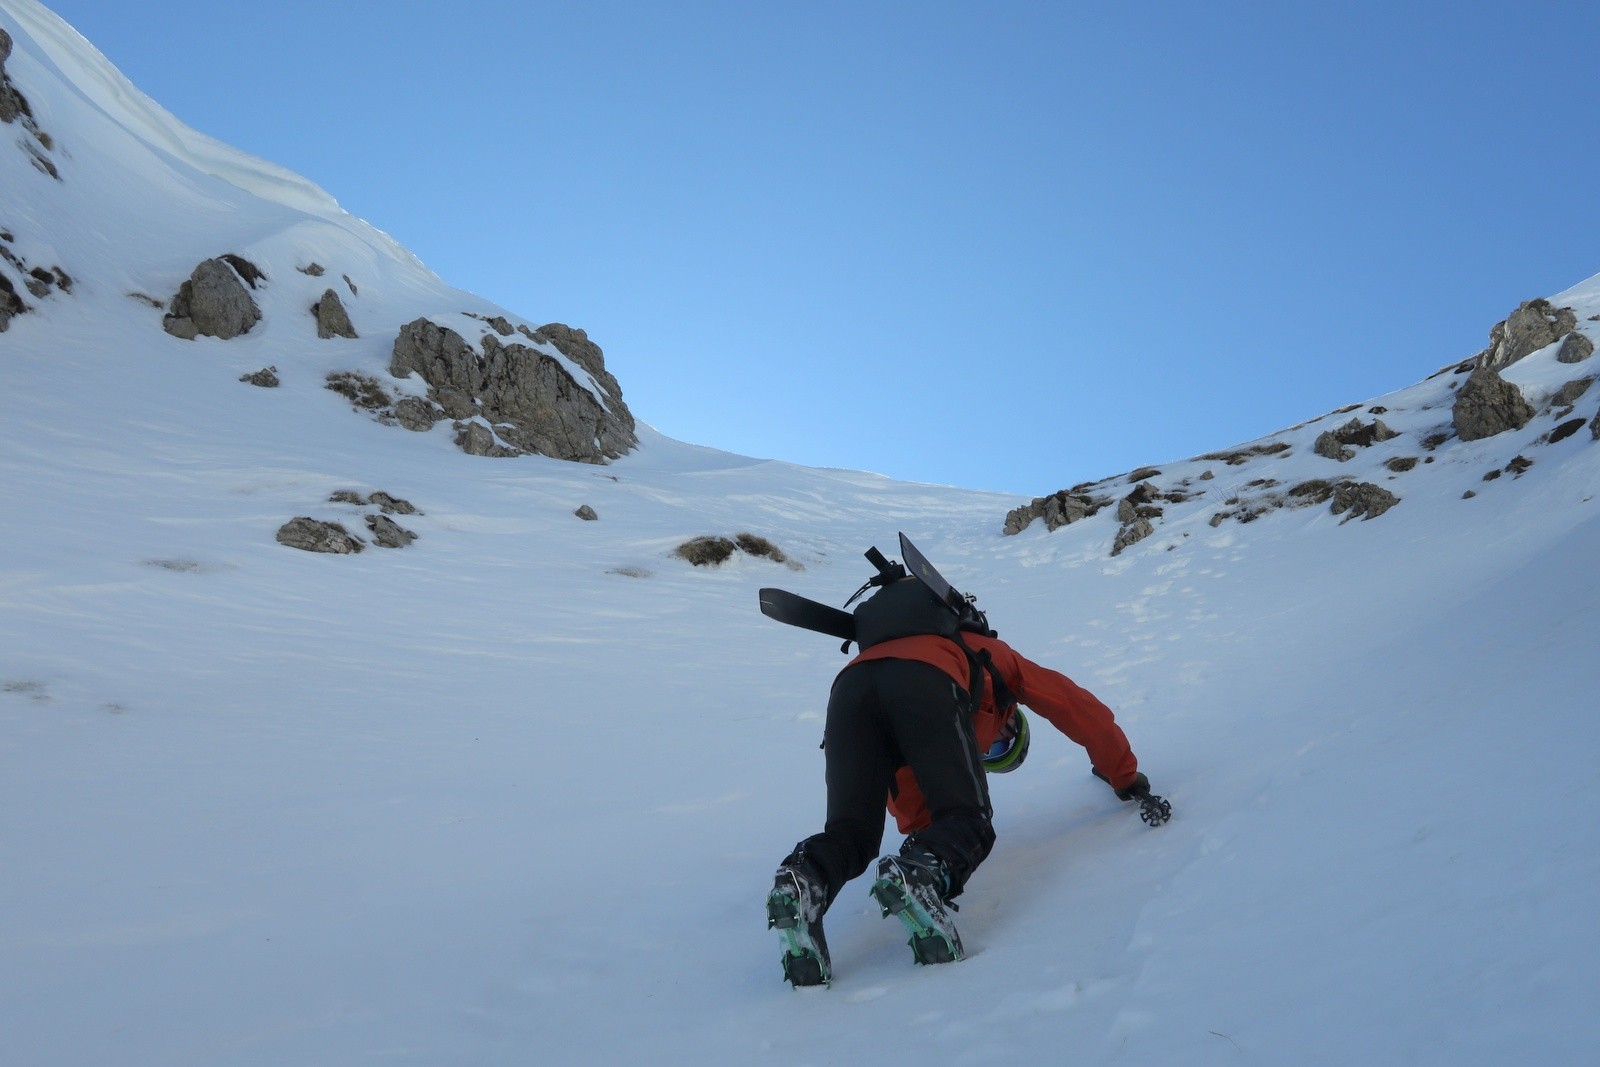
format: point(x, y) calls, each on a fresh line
point(1069, 707)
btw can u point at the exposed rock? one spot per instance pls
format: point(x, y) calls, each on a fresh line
point(314, 269)
point(1533, 325)
point(14, 107)
point(1340, 444)
point(332, 319)
point(386, 533)
point(41, 282)
point(1131, 534)
point(1594, 428)
point(214, 301)
point(1575, 348)
point(1565, 430)
point(1487, 405)
point(347, 496)
point(392, 505)
point(11, 305)
point(1138, 504)
point(586, 513)
point(266, 377)
point(476, 439)
point(1570, 393)
point(415, 413)
point(1058, 510)
point(528, 396)
point(1362, 500)
point(314, 535)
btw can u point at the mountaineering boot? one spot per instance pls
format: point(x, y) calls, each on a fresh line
point(912, 887)
point(794, 909)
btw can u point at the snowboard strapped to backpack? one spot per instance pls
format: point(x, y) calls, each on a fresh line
point(910, 600)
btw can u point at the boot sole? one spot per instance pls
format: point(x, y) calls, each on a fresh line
point(803, 964)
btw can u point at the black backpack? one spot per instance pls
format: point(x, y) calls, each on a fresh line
point(905, 606)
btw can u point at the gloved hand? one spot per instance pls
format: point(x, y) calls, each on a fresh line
point(1137, 789)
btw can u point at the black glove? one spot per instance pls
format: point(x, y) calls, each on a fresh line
point(1139, 787)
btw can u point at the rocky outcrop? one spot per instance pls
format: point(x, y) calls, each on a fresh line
point(1057, 510)
point(1533, 325)
point(1487, 404)
point(266, 378)
point(386, 533)
point(1361, 500)
point(40, 281)
point(13, 105)
point(215, 302)
point(1131, 534)
point(332, 319)
point(513, 398)
point(314, 535)
point(1341, 444)
point(11, 305)
point(1575, 348)
point(14, 108)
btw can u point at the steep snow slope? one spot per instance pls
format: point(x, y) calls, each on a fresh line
point(513, 794)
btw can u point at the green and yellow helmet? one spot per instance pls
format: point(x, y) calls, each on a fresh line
point(1011, 747)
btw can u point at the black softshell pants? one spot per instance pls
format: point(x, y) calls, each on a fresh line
point(882, 715)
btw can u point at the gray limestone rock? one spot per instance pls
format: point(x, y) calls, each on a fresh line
point(415, 413)
point(527, 395)
point(332, 319)
point(386, 533)
point(266, 378)
point(1487, 405)
point(1131, 534)
point(1340, 444)
point(1362, 500)
point(1057, 510)
point(214, 301)
point(314, 535)
point(1575, 348)
point(476, 439)
point(1533, 325)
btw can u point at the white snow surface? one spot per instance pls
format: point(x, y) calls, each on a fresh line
point(514, 794)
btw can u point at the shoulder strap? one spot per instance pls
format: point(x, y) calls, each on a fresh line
point(982, 663)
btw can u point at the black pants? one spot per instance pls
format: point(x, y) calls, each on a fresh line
point(882, 715)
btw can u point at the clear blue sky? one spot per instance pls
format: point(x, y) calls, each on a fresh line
point(1007, 245)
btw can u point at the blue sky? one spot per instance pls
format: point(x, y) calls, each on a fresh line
point(1011, 245)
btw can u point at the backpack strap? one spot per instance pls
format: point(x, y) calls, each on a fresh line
point(982, 663)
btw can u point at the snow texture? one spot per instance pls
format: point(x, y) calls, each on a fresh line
point(514, 793)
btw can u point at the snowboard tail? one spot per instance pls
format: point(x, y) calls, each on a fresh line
point(794, 610)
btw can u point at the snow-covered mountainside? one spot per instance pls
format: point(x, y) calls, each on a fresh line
point(513, 792)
